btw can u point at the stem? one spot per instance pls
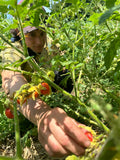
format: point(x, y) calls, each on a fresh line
point(12, 46)
point(6, 158)
point(73, 72)
point(17, 132)
point(92, 115)
point(10, 158)
point(111, 94)
point(22, 34)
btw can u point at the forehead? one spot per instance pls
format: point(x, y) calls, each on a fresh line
point(29, 29)
point(37, 31)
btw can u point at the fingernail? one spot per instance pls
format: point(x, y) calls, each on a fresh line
point(87, 143)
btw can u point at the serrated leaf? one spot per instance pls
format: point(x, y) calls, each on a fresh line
point(110, 3)
point(107, 14)
point(112, 51)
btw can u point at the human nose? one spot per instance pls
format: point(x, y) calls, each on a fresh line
point(39, 40)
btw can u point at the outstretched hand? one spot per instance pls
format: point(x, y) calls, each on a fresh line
point(60, 135)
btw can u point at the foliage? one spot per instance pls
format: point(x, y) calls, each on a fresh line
point(6, 128)
point(87, 35)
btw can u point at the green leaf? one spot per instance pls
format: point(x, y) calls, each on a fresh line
point(107, 14)
point(95, 18)
point(116, 16)
point(12, 3)
point(37, 17)
point(66, 63)
point(1, 108)
point(117, 67)
point(72, 1)
point(4, 9)
point(112, 51)
point(72, 157)
point(110, 3)
point(24, 3)
point(19, 63)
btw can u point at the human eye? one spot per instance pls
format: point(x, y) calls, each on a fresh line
point(42, 33)
point(32, 34)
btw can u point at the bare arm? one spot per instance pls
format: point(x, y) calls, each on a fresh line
point(32, 110)
point(57, 132)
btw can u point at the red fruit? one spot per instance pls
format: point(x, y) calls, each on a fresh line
point(89, 135)
point(46, 90)
point(36, 94)
point(9, 114)
point(18, 101)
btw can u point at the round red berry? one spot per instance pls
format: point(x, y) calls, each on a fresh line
point(9, 114)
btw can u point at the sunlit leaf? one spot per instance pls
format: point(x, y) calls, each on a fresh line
point(12, 3)
point(95, 18)
point(112, 51)
point(110, 3)
point(107, 14)
point(72, 1)
point(4, 9)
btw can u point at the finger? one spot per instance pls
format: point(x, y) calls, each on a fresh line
point(82, 126)
point(74, 131)
point(49, 142)
point(66, 141)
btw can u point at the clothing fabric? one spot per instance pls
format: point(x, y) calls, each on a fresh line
point(10, 56)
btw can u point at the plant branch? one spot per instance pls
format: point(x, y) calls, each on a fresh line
point(17, 132)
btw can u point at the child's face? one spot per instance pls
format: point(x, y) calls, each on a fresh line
point(35, 40)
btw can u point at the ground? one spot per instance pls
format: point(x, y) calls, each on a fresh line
point(35, 152)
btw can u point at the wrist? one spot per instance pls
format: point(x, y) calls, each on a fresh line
point(34, 110)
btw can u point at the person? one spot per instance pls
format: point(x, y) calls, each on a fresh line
point(58, 133)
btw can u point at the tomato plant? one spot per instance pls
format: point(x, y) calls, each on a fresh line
point(36, 94)
point(89, 135)
point(9, 113)
point(87, 36)
point(46, 89)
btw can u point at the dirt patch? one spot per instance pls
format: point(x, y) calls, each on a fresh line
point(34, 152)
